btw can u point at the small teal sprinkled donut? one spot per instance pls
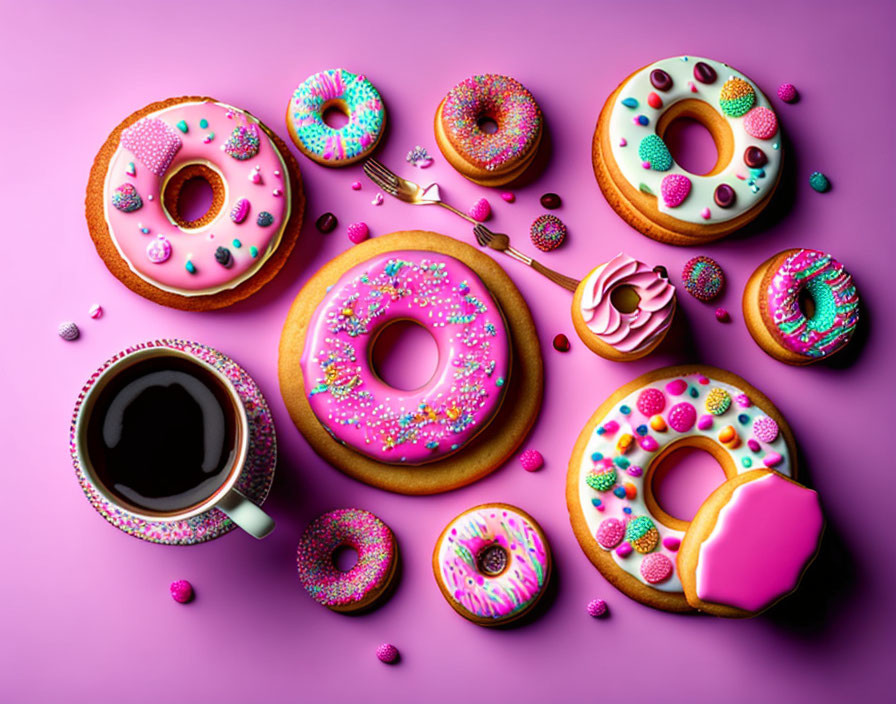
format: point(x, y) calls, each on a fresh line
point(355, 96)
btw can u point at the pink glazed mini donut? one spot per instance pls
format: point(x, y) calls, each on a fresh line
point(492, 563)
point(391, 425)
point(372, 575)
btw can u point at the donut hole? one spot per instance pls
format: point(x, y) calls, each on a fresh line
point(806, 302)
point(691, 145)
point(335, 115)
point(487, 124)
point(698, 137)
point(345, 557)
point(193, 196)
point(683, 479)
point(492, 560)
point(625, 299)
point(404, 355)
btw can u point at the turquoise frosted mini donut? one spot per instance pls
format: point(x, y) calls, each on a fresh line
point(352, 94)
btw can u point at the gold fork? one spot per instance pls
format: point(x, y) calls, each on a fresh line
point(501, 243)
point(408, 191)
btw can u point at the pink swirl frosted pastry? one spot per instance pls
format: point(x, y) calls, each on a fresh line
point(623, 309)
point(492, 563)
point(391, 425)
point(801, 306)
point(489, 158)
point(370, 577)
point(749, 544)
point(140, 230)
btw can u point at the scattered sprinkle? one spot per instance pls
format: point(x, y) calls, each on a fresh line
point(190, 267)
point(377, 199)
point(597, 608)
point(182, 126)
point(507, 196)
point(126, 199)
point(481, 210)
point(561, 342)
point(326, 223)
point(181, 591)
point(819, 182)
point(722, 315)
point(96, 311)
point(358, 232)
point(387, 653)
point(68, 331)
point(264, 219)
point(703, 278)
point(240, 210)
point(531, 460)
point(356, 185)
point(550, 201)
point(419, 157)
point(787, 93)
point(243, 142)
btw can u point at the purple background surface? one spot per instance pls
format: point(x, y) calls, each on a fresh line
point(87, 611)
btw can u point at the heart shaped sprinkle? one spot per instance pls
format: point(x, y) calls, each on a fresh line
point(480, 210)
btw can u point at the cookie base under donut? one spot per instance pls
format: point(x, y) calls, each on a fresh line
point(594, 343)
point(105, 247)
point(482, 177)
point(699, 531)
point(487, 451)
point(757, 318)
point(639, 209)
point(603, 559)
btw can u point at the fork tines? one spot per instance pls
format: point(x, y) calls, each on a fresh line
point(381, 176)
point(483, 235)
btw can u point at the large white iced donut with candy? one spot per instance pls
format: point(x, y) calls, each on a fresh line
point(643, 182)
point(133, 204)
point(615, 516)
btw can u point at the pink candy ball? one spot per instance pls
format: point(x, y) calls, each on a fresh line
point(480, 210)
point(787, 92)
point(597, 608)
point(358, 232)
point(531, 460)
point(656, 568)
point(387, 653)
point(181, 591)
point(761, 123)
point(651, 401)
point(610, 533)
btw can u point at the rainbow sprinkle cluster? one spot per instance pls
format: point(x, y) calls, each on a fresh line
point(508, 103)
point(703, 278)
point(347, 527)
point(834, 294)
point(243, 142)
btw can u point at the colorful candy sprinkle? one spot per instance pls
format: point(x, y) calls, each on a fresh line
point(550, 201)
point(181, 591)
point(682, 417)
point(126, 199)
point(356, 185)
point(96, 311)
point(182, 126)
point(704, 73)
point(531, 460)
point(737, 97)
point(654, 101)
point(674, 188)
point(765, 429)
point(597, 608)
point(703, 278)
point(660, 80)
point(158, 250)
point(264, 219)
point(603, 476)
point(819, 182)
point(507, 197)
point(630, 103)
point(481, 210)
point(68, 331)
point(240, 210)
point(243, 142)
point(387, 653)
point(641, 534)
point(724, 195)
point(223, 257)
point(717, 401)
point(761, 123)
point(787, 93)
point(547, 232)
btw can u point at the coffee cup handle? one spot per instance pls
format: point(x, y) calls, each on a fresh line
point(245, 514)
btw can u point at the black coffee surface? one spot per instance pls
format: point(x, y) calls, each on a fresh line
point(162, 434)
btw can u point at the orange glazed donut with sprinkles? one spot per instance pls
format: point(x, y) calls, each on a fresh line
point(641, 180)
point(489, 159)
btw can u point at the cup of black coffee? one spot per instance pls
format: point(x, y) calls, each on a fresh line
point(164, 436)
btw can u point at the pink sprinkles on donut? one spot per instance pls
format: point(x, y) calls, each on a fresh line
point(489, 96)
point(347, 527)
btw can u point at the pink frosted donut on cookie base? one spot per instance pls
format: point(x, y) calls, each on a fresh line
point(390, 425)
point(166, 148)
point(627, 332)
point(764, 538)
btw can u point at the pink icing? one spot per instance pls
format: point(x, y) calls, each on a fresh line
point(627, 332)
point(764, 538)
point(508, 593)
point(159, 149)
point(390, 425)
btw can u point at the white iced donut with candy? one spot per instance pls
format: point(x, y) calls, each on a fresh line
point(649, 189)
point(615, 515)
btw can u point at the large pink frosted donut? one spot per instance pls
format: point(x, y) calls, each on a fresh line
point(390, 425)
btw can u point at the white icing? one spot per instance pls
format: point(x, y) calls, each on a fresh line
point(606, 445)
point(621, 126)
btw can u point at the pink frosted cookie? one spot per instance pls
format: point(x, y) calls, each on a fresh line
point(372, 575)
point(489, 157)
point(492, 563)
point(749, 544)
point(623, 309)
